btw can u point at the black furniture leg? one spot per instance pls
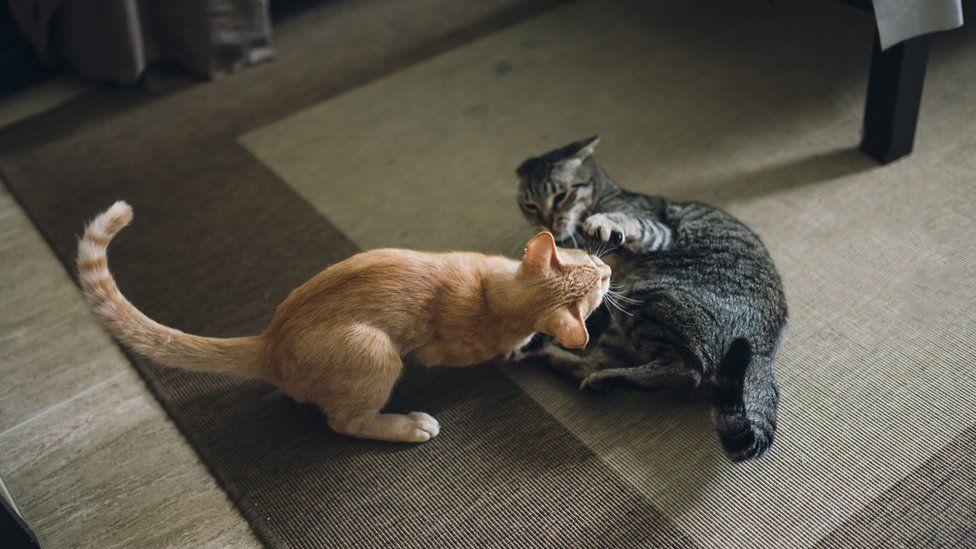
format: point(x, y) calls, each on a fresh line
point(13, 532)
point(894, 94)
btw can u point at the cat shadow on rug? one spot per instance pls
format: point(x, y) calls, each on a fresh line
point(274, 439)
point(742, 186)
point(655, 440)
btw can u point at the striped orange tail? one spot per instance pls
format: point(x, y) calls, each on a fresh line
point(140, 333)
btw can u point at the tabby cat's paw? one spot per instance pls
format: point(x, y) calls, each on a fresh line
point(597, 384)
point(606, 228)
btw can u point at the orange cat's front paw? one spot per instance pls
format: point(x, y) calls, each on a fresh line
point(422, 426)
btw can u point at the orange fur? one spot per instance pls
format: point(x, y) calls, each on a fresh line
point(337, 340)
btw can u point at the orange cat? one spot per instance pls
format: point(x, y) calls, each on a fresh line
point(338, 339)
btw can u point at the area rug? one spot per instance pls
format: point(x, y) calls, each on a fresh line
point(400, 123)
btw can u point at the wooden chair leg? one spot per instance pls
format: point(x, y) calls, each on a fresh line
point(894, 95)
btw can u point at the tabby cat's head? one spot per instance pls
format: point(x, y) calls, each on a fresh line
point(556, 188)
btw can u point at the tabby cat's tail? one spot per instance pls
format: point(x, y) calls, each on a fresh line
point(162, 344)
point(745, 402)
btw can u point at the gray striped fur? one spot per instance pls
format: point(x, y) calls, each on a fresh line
point(706, 309)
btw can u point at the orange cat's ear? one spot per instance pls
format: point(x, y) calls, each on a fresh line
point(568, 326)
point(540, 253)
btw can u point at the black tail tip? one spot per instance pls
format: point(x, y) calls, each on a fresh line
point(754, 453)
point(743, 441)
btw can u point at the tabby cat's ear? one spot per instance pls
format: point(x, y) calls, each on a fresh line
point(568, 326)
point(569, 165)
point(587, 146)
point(540, 253)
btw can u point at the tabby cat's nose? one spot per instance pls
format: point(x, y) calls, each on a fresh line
point(561, 224)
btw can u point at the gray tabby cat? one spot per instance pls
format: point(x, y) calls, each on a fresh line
point(706, 305)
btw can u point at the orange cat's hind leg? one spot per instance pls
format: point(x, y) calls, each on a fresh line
point(367, 367)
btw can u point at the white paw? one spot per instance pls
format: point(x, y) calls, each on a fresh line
point(421, 427)
point(605, 228)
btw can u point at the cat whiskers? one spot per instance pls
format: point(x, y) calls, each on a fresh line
point(614, 305)
point(606, 303)
point(611, 298)
point(621, 297)
point(616, 300)
point(605, 249)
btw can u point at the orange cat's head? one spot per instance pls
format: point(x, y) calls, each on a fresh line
point(566, 285)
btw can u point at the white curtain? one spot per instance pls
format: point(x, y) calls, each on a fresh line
point(899, 20)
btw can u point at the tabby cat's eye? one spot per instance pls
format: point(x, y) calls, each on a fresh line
point(531, 206)
point(558, 199)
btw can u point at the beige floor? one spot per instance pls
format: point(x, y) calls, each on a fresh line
point(877, 367)
point(90, 458)
point(39, 98)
